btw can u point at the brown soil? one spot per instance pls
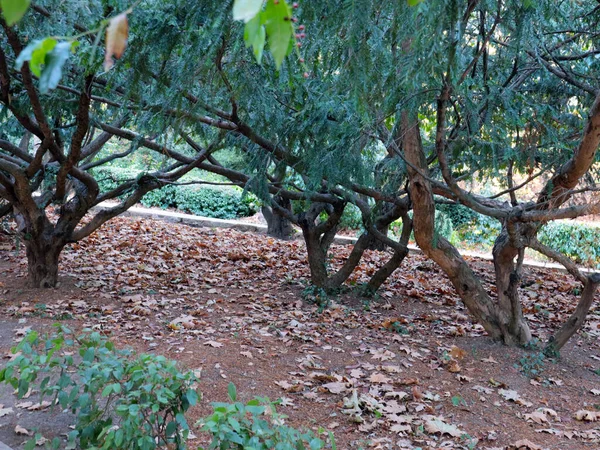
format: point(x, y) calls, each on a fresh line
point(174, 290)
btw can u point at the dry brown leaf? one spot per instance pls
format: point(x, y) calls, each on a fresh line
point(587, 416)
point(335, 388)
point(525, 444)
point(435, 425)
point(453, 367)
point(377, 377)
point(116, 39)
point(457, 352)
point(23, 431)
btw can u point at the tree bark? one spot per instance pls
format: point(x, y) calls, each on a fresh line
point(508, 276)
point(400, 252)
point(42, 259)
point(278, 226)
point(577, 319)
point(436, 247)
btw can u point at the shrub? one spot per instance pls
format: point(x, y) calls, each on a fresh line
point(483, 231)
point(220, 203)
point(351, 218)
point(109, 178)
point(254, 425)
point(443, 226)
point(458, 214)
point(119, 402)
point(575, 240)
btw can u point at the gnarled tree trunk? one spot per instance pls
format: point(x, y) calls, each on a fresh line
point(436, 247)
point(278, 226)
point(42, 262)
point(508, 279)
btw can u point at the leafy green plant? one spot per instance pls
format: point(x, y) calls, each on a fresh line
point(119, 402)
point(315, 294)
point(254, 425)
point(220, 203)
point(575, 240)
point(532, 364)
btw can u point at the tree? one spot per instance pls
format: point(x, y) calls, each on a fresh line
point(50, 140)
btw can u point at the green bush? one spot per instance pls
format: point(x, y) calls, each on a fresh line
point(351, 218)
point(203, 201)
point(217, 202)
point(254, 425)
point(443, 226)
point(482, 231)
point(459, 214)
point(575, 240)
point(108, 178)
point(119, 402)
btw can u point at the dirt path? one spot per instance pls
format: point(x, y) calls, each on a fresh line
point(231, 304)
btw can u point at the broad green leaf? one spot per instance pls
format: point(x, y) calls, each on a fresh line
point(119, 435)
point(52, 72)
point(13, 10)
point(232, 391)
point(254, 36)
point(246, 10)
point(278, 23)
point(414, 2)
point(35, 53)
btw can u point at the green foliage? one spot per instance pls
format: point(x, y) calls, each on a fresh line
point(254, 425)
point(119, 402)
point(274, 23)
point(482, 231)
point(351, 218)
point(203, 201)
point(46, 59)
point(532, 364)
point(316, 295)
point(217, 202)
point(459, 214)
point(442, 226)
point(13, 10)
point(575, 240)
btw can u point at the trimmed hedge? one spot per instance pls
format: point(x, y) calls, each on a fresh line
point(576, 240)
point(217, 202)
point(203, 201)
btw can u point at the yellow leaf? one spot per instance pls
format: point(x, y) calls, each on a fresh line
point(116, 39)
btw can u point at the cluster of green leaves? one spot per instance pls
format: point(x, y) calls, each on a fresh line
point(271, 19)
point(208, 201)
point(13, 10)
point(255, 425)
point(575, 240)
point(220, 203)
point(46, 59)
point(119, 402)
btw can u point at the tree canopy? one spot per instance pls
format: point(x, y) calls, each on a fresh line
point(388, 106)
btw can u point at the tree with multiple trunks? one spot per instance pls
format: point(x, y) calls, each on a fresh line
point(51, 106)
point(440, 93)
point(389, 107)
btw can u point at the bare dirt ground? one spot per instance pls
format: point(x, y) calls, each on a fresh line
point(405, 370)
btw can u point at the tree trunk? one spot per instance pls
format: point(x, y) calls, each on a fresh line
point(278, 226)
point(316, 258)
point(508, 277)
point(577, 319)
point(377, 244)
point(42, 260)
point(466, 283)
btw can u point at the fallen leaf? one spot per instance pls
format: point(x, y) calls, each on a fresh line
point(116, 39)
point(435, 425)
